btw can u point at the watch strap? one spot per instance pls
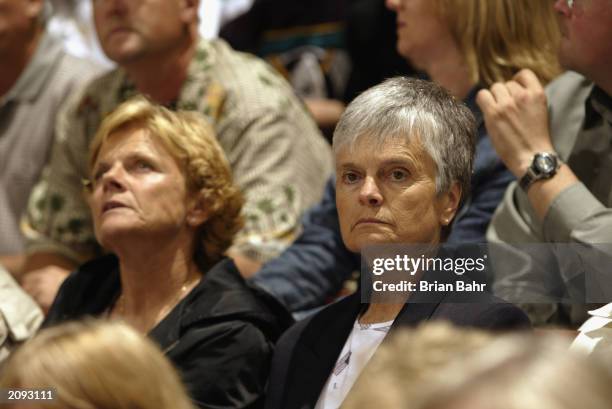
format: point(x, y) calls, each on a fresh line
point(533, 175)
point(528, 179)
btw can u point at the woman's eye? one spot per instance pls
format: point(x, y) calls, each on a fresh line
point(399, 175)
point(350, 177)
point(142, 165)
point(98, 175)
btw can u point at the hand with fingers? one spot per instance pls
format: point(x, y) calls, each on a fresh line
point(516, 118)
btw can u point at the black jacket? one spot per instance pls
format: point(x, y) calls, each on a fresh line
point(307, 352)
point(220, 336)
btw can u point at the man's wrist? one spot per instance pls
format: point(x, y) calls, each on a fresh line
point(543, 166)
point(523, 164)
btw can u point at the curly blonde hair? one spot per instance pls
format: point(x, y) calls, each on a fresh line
point(193, 144)
point(500, 37)
point(96, 365)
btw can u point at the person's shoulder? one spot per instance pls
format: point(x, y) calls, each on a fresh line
point(309, 345)
point(89, 95)
point(90, 275)
point(250, 82)
point(330, 318)
point(103, 83)
point(81, 69)
point(224, 296)
point(566, 97)
point(237, 334)
point(568, 86)
point(86, 290)
point(482, 310)
point(222, 361)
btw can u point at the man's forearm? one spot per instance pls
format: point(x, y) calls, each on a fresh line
point(543, 193)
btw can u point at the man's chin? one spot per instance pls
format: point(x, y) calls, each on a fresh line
point(124, 55)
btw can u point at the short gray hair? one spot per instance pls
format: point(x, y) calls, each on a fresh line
point(403, 107)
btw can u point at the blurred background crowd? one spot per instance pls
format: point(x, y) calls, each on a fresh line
point(189, 188)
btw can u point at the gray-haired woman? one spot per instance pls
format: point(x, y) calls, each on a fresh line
point(404, 152)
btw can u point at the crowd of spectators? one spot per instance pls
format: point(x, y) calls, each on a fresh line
point(193, 195)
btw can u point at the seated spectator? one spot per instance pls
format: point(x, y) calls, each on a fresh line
point(422, 370)
point(36, 75)
point(404, 152)
point(568, 199)
point(279, 158)
point(462, 47)
point(164, 205)
point(305, 41)
point(20, 317)
point(330, 51)
point(95, 365)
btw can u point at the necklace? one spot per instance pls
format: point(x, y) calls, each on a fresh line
point(119, 307)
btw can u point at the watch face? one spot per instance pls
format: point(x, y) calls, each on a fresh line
point(545, 163)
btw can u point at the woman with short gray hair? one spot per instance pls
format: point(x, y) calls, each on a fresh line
point(461, 46)
point(394, 186)
point(400, 107)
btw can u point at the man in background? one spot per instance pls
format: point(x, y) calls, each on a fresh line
point(562, 158)
point(278, 157)
point(36, 76)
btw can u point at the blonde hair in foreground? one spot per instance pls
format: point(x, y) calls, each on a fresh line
point(193, 144)
point(500, 37)
point(96, 365)
point(404, 362)
point(450, 368)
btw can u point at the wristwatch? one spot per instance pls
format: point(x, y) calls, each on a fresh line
point(544, 165)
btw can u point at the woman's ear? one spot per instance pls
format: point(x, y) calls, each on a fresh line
point(449, 203)
point(198, 212)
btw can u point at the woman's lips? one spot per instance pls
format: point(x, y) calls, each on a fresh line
point(112, 204)
point(369, 220)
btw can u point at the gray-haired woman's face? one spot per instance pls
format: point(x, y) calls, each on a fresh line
point(389, 195)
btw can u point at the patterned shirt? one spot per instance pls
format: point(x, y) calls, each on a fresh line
point(278, 156)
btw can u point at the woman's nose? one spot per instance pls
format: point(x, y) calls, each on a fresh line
point(370, 194)
point(113, 179)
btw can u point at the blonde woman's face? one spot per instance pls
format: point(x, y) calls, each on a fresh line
point(420, 30)
point(138, 190)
